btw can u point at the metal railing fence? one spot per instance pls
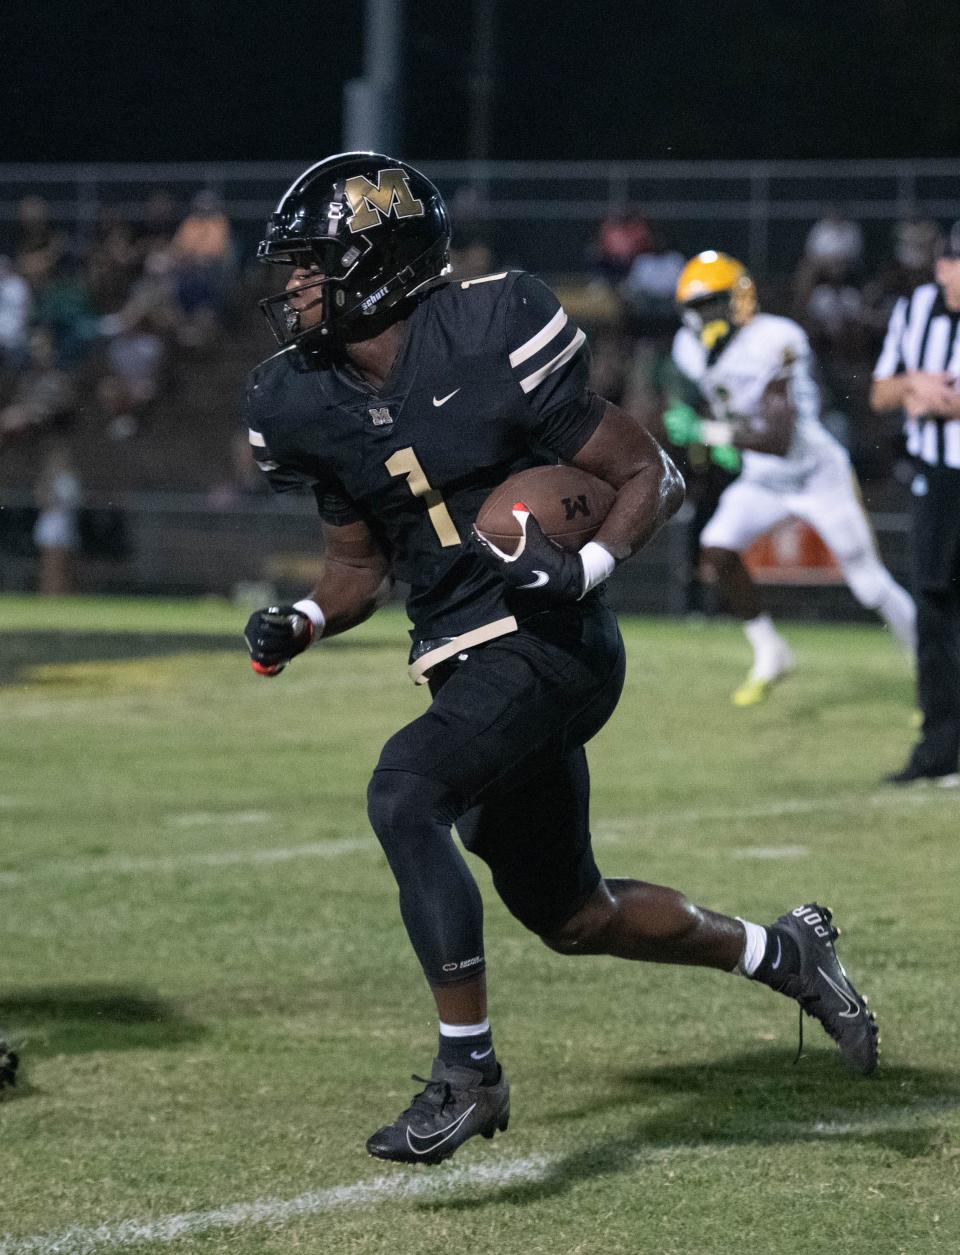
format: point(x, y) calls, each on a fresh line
point(545, 212)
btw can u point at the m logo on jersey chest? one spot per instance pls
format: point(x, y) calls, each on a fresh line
point(572, 506)
point(380, 417)
point(372, 202)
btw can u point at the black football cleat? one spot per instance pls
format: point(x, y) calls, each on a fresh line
point(945, 778)
point(8, 1065)
point(454, 1107)
point(823, 989)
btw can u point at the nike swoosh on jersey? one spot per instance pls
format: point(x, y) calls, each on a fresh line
point(444, 400)
point(852, 1010)
point(776, 962)
point(434, 1140)
point(542, 578)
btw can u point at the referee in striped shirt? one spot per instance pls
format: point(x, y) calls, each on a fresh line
point(918, 372)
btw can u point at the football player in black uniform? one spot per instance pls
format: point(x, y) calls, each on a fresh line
point(402, 399)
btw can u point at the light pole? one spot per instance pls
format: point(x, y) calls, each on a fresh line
point(371, 105)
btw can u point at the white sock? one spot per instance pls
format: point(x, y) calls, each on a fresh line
point(754, 947)
point(768, 646)
point(464, 1030)
point(761, 632)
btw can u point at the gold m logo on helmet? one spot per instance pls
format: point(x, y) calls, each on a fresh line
point(372, 202)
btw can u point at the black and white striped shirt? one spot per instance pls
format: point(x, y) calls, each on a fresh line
point(924, 335)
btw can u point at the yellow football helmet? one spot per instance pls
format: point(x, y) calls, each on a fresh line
point(716, 296)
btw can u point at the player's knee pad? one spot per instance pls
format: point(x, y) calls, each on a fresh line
point(866, 576)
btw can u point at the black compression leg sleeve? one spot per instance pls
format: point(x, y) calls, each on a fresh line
point(439, 900)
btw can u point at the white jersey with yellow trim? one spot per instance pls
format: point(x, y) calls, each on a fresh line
point(767, 349)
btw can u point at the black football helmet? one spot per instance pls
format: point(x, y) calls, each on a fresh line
point(376, 229)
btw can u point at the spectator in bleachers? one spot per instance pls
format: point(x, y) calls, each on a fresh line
point(834, 240)
point(832, 255)
point(63, 306)
point(15, 306)
point(56, 532)
point(159, 223)
point(649, 286)
point(135, 359)
point(916, 246)
point(833, 319)
point(203, 260)
point(153, 294)
point(828, 304)
point(39, 244)
point(113, 261)
point(833, 315)
point(650, 317)
point(44, 398)
point(621, 238)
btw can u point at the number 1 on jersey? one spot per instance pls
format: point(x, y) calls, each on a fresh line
point(405, 462)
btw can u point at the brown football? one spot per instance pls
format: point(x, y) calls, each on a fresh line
point(569, 504)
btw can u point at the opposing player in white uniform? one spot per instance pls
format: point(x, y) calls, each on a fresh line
point(754, 372)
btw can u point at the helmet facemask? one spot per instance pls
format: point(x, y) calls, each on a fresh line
point(330, 289)
point(709, 318)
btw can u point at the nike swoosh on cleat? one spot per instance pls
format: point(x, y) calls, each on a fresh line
point(444, 400)
point(542, 578)
point(776, 964)
point(474, 1055)
point(852, 1010)
point(435, 1140)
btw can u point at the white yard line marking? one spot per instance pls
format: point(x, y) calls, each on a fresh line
point(216, 858)
point(906, 1117)
point(206, 819)
point(613, 831)
point(771, 851)
point(404, 1185)
point(607, 832)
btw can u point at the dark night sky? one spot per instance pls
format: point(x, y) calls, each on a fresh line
point(92, 80)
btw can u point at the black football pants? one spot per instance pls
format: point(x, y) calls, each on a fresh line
point(500, 754)
point(936, 577)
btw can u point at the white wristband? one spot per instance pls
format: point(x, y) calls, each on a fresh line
point(598, 565)
point(312, 611)
point(714, 432)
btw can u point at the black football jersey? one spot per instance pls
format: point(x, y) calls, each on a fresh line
point(491, 379)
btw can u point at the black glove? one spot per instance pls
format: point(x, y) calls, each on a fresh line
point(274, 636)
point(538, 563)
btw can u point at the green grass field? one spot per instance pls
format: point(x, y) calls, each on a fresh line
point(201, 955)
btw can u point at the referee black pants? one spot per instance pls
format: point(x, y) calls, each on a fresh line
point(936, 579)
point(499, 753)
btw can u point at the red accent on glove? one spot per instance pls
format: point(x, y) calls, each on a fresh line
point(268, 671)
